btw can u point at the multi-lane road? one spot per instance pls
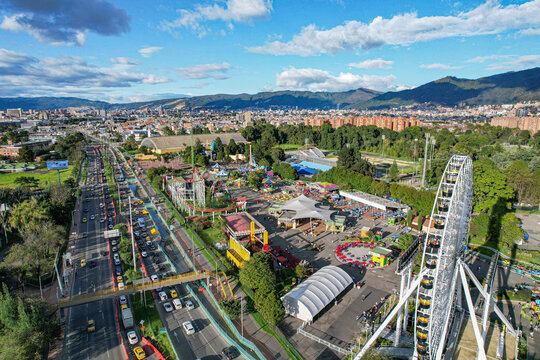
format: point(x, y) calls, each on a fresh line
point(89, 246)
point(93, 269)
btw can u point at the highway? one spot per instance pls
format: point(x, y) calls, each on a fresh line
point(89, 245)
point(205, 342)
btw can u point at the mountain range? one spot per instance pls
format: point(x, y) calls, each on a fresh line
point(506, 88)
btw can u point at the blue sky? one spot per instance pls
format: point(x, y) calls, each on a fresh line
point(134, 50)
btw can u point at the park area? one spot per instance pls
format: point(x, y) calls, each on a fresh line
point(34, 178)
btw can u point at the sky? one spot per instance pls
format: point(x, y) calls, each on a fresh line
point(137, 50)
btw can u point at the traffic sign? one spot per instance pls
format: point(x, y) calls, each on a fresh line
point(53, 165)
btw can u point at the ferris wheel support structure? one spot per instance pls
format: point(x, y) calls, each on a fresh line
point(443, 275)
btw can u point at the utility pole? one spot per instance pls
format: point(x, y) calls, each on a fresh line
point(425, 161)
point(132, 238)
point(415, 155)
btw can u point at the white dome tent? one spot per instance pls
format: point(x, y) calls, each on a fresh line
point(309, 298)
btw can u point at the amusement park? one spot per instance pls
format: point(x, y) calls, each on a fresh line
point(405, 291)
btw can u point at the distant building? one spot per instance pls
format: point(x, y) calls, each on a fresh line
point(530, 123)
point(167, 144)
point(245, 118)
point(12, 150)
point(17, 113)
point(383, 122)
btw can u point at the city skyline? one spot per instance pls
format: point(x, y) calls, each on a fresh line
point(125, 51)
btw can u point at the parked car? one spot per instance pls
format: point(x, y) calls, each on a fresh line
point(230, 352)
point(188, 328)
point(162, 295)
point(168, 307)
point(177, 303)
point(189, 305)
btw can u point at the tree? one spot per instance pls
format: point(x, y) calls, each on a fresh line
point(346, 158)
point(122, 228)
point(167, 131)
point(521, 179)
point(219, 149)
point(510, 230)
point(201, 160)
point(130, 143)
point(405, 241)
point(480, 226)
point(255, 178)
point(28, 214)
point(393, 173)
point(300, 271)
point(278, 154)
point(26, 154)
point(232, 308)
point(257, 272)
point(29, 181)
point(270, 307)
point(490, 185)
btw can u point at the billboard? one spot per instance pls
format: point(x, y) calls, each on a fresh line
point(57, 165)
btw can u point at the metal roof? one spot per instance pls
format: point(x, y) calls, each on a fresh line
point(183, 141)
point(310, 297)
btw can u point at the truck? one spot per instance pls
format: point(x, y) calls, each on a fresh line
point(127, 318)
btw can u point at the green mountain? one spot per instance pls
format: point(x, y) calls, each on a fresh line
point(510, 87)
point(507, 88)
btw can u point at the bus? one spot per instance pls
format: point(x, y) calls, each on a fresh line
point(141, 223)
point(120, 177)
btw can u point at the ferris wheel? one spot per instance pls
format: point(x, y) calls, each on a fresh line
point(437, 296)
point(442, 280)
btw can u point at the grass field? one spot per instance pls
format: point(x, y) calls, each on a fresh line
point(152, 323)
point(45, 177)
point(289, 147)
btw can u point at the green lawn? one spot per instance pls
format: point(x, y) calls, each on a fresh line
point(152, 323)
point(289, 147)
point(45, 177)
point(510, 294)
point(212, 235)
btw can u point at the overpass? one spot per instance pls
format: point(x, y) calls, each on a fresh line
point(138, 285)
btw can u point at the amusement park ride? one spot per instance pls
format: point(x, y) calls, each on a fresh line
point(443, 276)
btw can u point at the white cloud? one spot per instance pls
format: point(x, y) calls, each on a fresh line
point(124, 61)
point(205, 71)
point(483, 59)
point(233, 11)
point(530, 32)
point(518, 63)
point(321, 80)
point(408, 28)
point(22, 74)
point(149, 51)
point(373, 64)
point(438, 66)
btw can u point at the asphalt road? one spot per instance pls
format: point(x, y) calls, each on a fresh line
point(206, 342)
point(104, 343)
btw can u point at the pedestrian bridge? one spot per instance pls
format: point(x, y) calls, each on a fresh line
point(138, 285)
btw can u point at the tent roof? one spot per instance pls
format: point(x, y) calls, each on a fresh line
point(306, 208)
point(310, 297)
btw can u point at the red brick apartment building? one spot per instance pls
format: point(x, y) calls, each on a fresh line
point(531, 123)
point(386, 122)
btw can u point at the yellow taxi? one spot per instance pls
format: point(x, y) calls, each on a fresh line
point(119, 279)
point(123, 306)
point(83, 262)
point(174, 294)
point(91, 326)
point(84, 220)
point(139, 353)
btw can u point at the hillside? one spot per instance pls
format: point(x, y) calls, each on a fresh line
point(506, 88)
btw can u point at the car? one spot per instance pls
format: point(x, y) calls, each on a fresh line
point(154, 278)
point(152, 247)
point(84, 220)
point(136, 233)
point(157, 260)
point(144, 234)
point(174, 294)
point(118, 271)
point(188, 328)
point(114, 249)
point(189, 305)
point(93, 217)
point(177, 303)
point(102, 220)
point(132, 337)
point(101, 205)
point(114, 242)
point(162, 295)
point(110, 226)
point(91, 326)
point(117, 262)
point(84, 234)
point(123, 300)
point(230, 352)
point(92, 264)
point(85, 210)
point(144, 254)
point(104, 253)
point(83, 262)
point(168, 307)
point(148, 243)
point(123, 306)
point(119, 278)
point(139, 353)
